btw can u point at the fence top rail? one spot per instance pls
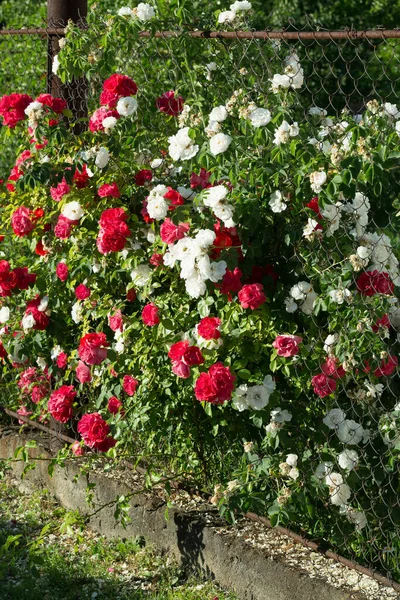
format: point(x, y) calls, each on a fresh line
point(242, 35)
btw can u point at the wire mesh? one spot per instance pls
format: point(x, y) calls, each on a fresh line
point(341, 73)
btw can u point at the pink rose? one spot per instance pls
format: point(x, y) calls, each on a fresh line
point(77, 449)
point(93, 348)
point(116, 322)
point(62, 189)
point(83, 372)
point(171, 233)
point(287, 345)
point(21, 221)
point(332, 369)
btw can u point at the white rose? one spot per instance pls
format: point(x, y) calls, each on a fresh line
point(219, 114)
point(28, 322)
point(109, 123)
point(220, 143)
point(227, 16)
point(195, 286)
point(125, 11)
point(260, 117)
point(4, 314)
point(55, 65)
point(350, 432)
point(317, 180)
point(73, 211)
point(240, 5)
point(77, 312)
point(157, 208)
point(292, 459)
point(341, 494)
point(181, 146)
point(276, 203)
point(334, 418)
point(391, 110)
point(348, 459)
point(258, 397)
point(145, 12)
point(126, 106)
point(239, 398)
point(102, 158)
point(141, 275)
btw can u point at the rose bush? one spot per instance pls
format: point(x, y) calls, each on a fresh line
point(209, 283)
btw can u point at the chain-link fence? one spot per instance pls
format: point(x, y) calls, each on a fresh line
point(335, 73)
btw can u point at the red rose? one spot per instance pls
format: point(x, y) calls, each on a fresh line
point(60, 403)
point(81, 178)
point(21, 221)
point(62, 189)
point(108, 443)
point(23, 157)
point(82, 292)
point(287, 345)
point(62, 360)
point(231, 282)
point(323, 385)
point(168, 104)
point(12, 108)
point(109, 190)
point(175, 198)
point(94, 431)
point(8, 279)
point(115, 406)
point(115, 321)
point(193, 356)
point(15, 174)
point(150, 315)
point(110, 216)
point(170, 232)
point(156, 260)
point(374, 282)
point(331, 368)
point(252, 296)
point(83, 372)
point(382, 322)
point(201, 180)
point(63, 228)
point(177, 350)
point(113, 237)
point(129, 385)
point(314, 206)
point(41, 319)
point(387, 367)
point(97, 118)
point(24, 412)
point(23, 278)
point(208, 328)
point(40, 249)
point(3, 351)
point(131, 295)
point(57, 105)
point(145, 214)
point(62, 271)
point(93, 348)
point(115, 87)
point(143, 176)
point(216, 386)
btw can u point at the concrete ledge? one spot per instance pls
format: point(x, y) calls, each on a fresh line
point(249, 572)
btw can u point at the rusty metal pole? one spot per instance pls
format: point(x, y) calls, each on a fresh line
point(59, 12)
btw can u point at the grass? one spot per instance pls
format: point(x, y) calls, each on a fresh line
point(47, 553)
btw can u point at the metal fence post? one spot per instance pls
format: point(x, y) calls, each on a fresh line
point(59, 12)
